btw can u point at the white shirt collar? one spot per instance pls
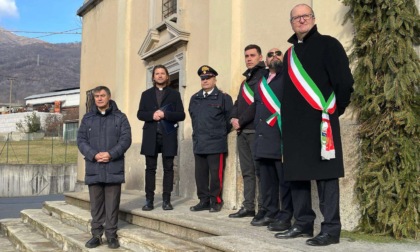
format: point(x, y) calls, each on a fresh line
point(209, 92)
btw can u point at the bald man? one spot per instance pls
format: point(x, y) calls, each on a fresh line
point(317, 88)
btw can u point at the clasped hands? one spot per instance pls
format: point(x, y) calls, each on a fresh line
point(158, 115)
point(102, 157)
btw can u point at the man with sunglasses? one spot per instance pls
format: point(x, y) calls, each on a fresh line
point(317, 89)
point(268, 151)
point(209, 109)
point(243, 114)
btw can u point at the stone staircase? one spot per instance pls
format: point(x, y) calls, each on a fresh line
point(65, 226)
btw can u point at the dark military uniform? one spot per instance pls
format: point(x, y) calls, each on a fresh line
point(210, 122)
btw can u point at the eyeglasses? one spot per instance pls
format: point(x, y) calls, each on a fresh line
point(271, 54)
point(206, 77)
point(304, 17)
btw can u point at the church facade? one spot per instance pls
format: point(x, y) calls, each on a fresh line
point(123, 40)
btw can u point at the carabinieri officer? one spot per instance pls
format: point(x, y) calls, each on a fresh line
point(209, 110)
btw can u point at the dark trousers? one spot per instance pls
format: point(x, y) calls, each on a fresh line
point(209, 176)
point(168, 177)
point(329, 204)
point(168, 172)
point(275, 189)
point(104, 206)
point(250, 170)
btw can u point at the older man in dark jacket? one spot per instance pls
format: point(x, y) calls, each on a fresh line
point(103, 138)
point(209, 110)
point(317, 89)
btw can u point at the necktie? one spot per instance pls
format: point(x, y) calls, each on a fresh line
point(205, 94)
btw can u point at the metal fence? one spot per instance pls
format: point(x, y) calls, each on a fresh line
point(36, 148)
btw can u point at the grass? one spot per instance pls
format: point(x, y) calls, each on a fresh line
point(358, 236)
point(45, 151)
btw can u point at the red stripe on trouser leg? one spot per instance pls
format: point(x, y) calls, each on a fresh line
point(218, 198)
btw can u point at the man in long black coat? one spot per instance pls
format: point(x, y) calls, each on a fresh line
point(267, 147)
point(161, 109)
point(307, 156)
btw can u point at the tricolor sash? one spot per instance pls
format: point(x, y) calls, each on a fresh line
point(310, 91)
point(247, 93)
point(271, 102)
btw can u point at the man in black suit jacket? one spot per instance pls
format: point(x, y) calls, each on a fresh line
point(161, 109)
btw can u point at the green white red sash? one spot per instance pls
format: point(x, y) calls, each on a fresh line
point(271, 102)
point(247, 93)
point(310, 91)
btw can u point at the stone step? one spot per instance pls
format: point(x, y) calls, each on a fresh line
point(130, 236)
point(215, 231)
point(6, 245)
point(68, 214)
point(25, 238)
point(66, 237)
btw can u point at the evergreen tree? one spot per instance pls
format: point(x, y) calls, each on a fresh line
point(387, 104)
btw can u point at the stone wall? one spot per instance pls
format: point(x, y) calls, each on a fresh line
point(30, 180)
point(8, 121)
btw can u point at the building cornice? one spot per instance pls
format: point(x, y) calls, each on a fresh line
point(87, 6)
point(153, 44)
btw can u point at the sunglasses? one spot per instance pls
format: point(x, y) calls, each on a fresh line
point(271, 54)
point(206, 77)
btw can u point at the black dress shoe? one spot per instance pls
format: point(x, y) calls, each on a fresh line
point(260, 215)
point(242, 213)
point(94, 242)
point(215, 207)
point(262, 222)
point(201, 206)
point(280, 225)
point(113, 243)
point(166, 205)
point(148, 206)
point(323, 239)
point(294, 232)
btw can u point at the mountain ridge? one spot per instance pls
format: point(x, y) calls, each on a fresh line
point(36, 66)
point(7, 37)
